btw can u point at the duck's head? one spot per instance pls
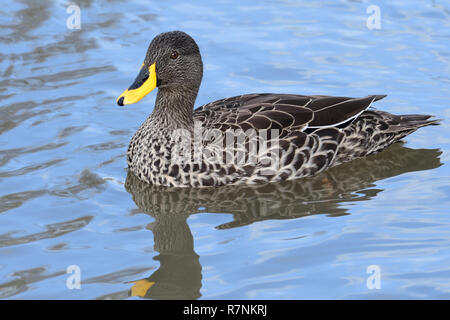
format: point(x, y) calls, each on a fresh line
point(172, 61)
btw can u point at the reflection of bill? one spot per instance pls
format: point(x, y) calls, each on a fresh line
point(140, 287)
point(180, 273)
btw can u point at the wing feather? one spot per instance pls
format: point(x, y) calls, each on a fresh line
point(333, 111)
point(286, 112)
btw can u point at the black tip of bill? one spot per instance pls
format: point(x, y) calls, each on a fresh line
point(120, 101)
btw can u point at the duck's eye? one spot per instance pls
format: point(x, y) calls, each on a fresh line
point(174, 55)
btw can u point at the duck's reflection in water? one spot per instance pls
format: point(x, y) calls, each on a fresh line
point(179, 275)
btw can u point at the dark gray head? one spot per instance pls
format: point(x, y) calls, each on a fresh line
point(177, 58)
point(172, 61)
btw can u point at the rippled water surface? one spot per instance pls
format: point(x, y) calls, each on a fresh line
point(66, 198)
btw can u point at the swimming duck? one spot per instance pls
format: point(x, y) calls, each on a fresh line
point(247, 139)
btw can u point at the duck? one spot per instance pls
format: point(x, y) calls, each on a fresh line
point(250, 139)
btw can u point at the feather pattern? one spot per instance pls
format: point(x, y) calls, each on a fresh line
point(247, 139)
point(313, 133)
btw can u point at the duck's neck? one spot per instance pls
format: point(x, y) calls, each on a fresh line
point(174, 107)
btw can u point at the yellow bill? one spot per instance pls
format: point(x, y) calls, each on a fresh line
point(145, 82)
point(140, 287)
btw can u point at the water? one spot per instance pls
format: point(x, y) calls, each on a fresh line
point(66, 199)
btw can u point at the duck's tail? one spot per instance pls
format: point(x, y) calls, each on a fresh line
point(411, 122)
point(375, 130)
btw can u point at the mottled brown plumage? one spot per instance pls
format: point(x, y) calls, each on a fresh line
point(296, 135)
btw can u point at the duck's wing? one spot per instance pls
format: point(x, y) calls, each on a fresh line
point(285, 112)
point(338, 111)
point(255, 111)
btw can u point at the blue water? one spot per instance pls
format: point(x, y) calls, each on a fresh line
point(65, 198)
